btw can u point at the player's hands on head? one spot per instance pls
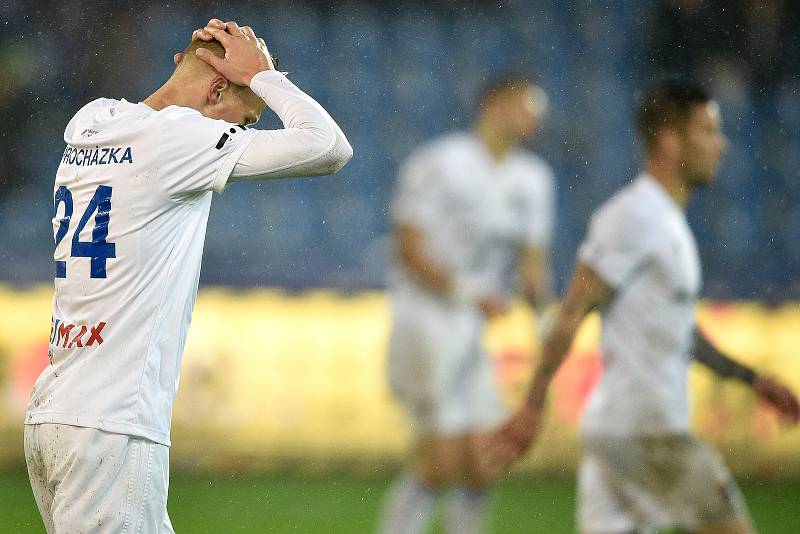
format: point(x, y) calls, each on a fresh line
point(245, 54)
point(512, 440)
point(201, 34)
point(780, 397)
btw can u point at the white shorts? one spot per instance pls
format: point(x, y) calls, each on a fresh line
point(671, 481)
point(89, 481)
point(438, 369)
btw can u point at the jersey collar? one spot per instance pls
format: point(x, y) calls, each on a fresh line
point(657, 191)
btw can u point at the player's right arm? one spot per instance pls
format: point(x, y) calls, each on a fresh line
point(310, 144)
point(418, 206)
point(617, 245)
point(412, 254)
point(586, 291)
point(411, 249)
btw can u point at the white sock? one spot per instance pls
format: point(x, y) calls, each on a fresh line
point(407, 507)
point(466, 511)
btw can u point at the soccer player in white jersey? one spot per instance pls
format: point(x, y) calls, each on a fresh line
point(470, 208)
point(639, 266)
point(131, 203)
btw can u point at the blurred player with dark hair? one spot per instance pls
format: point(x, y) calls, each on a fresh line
point(470, 208)
point(639, 266)
point(131, 202)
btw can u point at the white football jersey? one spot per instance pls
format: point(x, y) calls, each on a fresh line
point(131, 203)
point(640, 243)
point(475, 213)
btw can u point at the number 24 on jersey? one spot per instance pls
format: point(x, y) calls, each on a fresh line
point(98, 250)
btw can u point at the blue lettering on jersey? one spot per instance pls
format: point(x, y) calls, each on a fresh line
point(88, 157)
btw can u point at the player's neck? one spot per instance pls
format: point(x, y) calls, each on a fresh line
point(671, 180)
point(172, 94)
point(492, 138)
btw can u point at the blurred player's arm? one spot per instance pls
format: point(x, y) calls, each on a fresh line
point(412, 253)
point(310, 144)
point(586, 291)
point(768, 389)
point(711, 357)
point(614, 250)
point(416, 205)
point(534, 276)
point(533, 267)
point(536, 287)
point(424, 190)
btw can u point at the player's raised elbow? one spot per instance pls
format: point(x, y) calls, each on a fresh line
point(343, 154)
point(335, 154)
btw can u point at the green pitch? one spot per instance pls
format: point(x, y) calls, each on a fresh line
point(332, 505)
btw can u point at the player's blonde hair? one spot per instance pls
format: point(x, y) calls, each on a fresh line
point(190, 52)
point(191, 65)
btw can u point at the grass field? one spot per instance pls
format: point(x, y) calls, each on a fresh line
point(326, 505)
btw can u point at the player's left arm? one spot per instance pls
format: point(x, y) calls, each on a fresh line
point(309, 144)
point(768, 389)
point(533, 265)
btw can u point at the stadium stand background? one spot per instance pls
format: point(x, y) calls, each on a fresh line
point(394, 76)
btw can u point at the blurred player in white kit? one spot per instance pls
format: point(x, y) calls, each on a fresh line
point(132, 198)
point(639, 266)
point(470, 209)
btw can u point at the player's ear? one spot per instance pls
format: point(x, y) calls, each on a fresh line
point(216, 89)
point(668, 141)
point(177, 58)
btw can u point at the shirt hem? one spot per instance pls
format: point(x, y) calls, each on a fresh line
point(113, 427)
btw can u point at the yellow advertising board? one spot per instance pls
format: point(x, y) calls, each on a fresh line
point(271, 379)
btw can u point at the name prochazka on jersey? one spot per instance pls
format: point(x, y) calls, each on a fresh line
point(86, 157)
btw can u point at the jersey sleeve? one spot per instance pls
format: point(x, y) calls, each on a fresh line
point(618, 244)
point(415, 199)
point(309, 144)
point(540, 211)
point(196, 153)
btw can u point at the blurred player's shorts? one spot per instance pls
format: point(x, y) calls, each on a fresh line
point(438, 369)
point(667, 481)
